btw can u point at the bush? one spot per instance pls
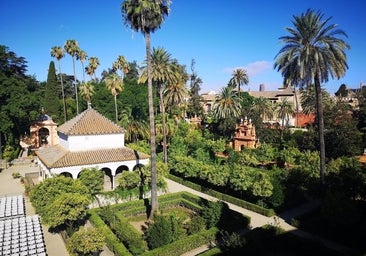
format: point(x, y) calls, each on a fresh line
point(16, 175)
point(196, 224)
point(159, 233)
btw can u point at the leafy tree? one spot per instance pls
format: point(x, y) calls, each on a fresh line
point(146, 16)
point(86, 242)
point(313, 52)
point(262, 186)
point(93, 179)
point(44, 193)
point(20, 97)
point(129, 180)
point(66, 208)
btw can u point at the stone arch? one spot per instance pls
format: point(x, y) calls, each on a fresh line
point(119, 171)
point(108, 179)
point(66, 174)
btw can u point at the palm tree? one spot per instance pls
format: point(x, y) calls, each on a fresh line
point(72, 48)
point(163, 73)
point(87, 91)
point(239, 77)
point(122, 65)
point(264, 107)
point(58, 53)
point(313, 52)
point(92, 67)
point(115, 85)
point(284, 110)
point(146, 16)
point(135, 129)
point(81, 56)
point(227, 104)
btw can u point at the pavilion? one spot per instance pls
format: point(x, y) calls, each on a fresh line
point(89, 140)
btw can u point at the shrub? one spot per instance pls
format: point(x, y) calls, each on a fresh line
point(16, 175)
point(196, 224)
point(159, 233)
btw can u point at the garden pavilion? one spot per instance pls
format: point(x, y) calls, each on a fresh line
point(89, 140)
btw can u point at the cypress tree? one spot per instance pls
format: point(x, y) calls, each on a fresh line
point(51, 97)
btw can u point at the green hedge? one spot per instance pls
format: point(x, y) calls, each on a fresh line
point(113, 243)
point(224, 197)
point(185, 245)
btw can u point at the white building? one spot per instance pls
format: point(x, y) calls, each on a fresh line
point(89, 140)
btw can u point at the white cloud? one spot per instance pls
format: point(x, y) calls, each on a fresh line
point(253, 69)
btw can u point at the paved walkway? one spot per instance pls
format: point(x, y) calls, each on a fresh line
point(9, 187)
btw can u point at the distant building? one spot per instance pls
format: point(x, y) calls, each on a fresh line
point(244, 136)
point(89, 140)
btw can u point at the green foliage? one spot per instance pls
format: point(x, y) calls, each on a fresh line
point(93, 179)
point(66, 208)
point(86, 242)
point(16, 175)
point(196, 224)
point(10, 153)
point(45, 193)
point(231, 241)
point(164, 230)
point(52, 91)
point(129, 180)
point(262, 186)
point(212, 212)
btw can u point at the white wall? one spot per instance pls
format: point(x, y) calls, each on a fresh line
point(90, 142)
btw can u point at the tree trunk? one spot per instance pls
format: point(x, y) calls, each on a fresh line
point(63, 91)
point(162, 107)
point(319, 109)
point(154, 192)
point(115, 108)
point(76, 87)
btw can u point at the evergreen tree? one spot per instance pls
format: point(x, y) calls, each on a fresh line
point(51, 97)
point(194, 105)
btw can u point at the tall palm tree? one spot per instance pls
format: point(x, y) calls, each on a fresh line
point(58, 53)
point(227, 104)
point(114, 84)
point(163, 72)
point(81, 56)
point(122, 65)
point(72, 48)
point(146, 16)
point(92, 67)
point(308, 99)
point(87, 91)
point(239, 77)
point(313, 52)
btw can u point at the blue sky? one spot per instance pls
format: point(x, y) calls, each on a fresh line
point(219, 35)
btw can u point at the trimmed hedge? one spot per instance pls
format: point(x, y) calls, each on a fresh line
point(112, 241)
point(133, 239)
point(185, 245)
point(224, 197)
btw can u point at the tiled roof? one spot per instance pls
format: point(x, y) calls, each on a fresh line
point(90, 122)
point(56, 156)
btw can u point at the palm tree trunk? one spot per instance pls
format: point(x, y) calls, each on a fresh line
point(76, 87)
point(115, 108)
point(154, 192)
point(63, 91)
point(319, 109)
point(162, 107)
point(297, 108)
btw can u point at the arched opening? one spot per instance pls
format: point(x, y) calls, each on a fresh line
point(119, 171)
point(108, 179)
point(66, 174)
point(43, 134)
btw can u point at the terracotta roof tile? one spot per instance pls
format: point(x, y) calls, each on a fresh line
point(90, 122)
point(56, 156)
